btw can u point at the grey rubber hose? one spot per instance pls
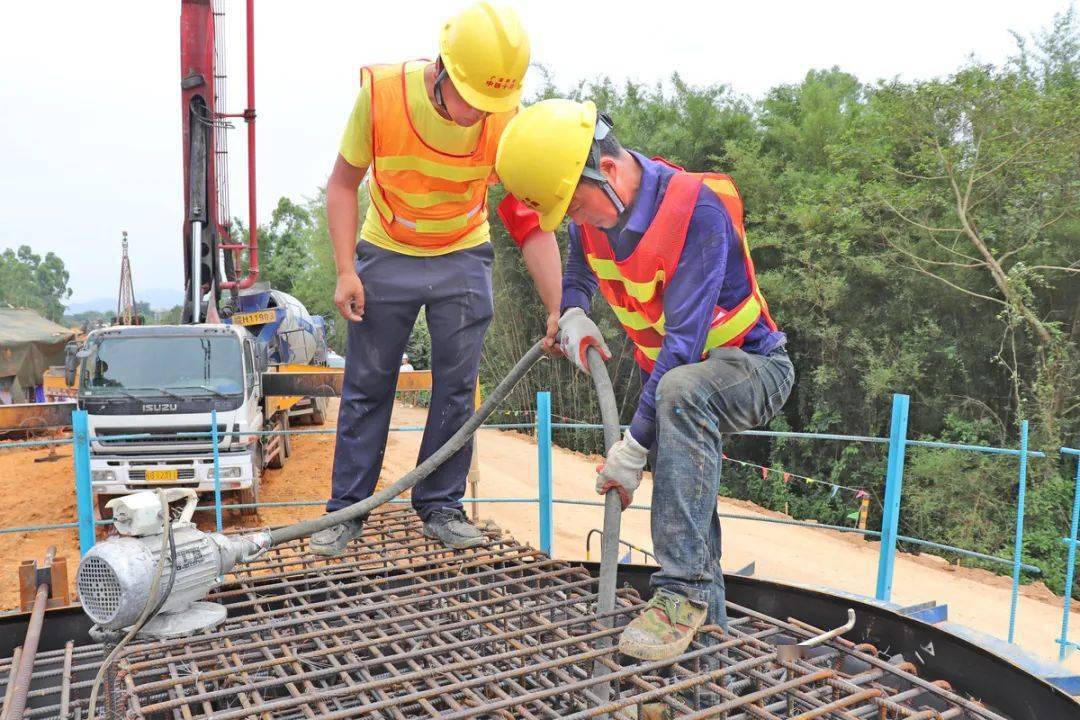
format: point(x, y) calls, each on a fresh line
point(457, 441)
point(609, 544)
point(609, 541)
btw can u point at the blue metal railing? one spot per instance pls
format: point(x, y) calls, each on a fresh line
point(894, 476)
point(545, 489)
point(897, 443)
point(1065, 646)
point(894, 483)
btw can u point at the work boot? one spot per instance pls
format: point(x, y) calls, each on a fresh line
point(450, 527)
point(334, 539)
point(664, 628)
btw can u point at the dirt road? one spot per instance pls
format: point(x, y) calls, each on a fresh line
point(36, 493)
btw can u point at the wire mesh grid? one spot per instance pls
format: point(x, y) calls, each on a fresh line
point(401, 627)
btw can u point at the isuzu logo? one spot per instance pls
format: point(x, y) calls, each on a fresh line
point(159, 407)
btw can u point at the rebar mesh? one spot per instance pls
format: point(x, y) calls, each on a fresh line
point(400, 627)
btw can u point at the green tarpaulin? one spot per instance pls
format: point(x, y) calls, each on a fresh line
point(29, 344)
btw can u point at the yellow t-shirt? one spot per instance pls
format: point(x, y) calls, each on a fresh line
point(437, 131)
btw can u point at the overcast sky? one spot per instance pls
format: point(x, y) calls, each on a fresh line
point(90, 113)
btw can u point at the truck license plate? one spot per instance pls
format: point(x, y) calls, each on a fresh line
point(161, 475)
point(258, 317)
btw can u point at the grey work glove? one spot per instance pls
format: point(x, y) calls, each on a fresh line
point(576, 334)
point(622, 469)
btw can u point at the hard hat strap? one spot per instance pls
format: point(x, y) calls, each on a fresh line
point(592, 171)
point(442, 75)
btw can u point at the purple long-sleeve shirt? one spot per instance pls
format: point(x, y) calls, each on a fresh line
point(711, 272)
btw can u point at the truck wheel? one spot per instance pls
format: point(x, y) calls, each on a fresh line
point(318, 411)
point(281, 444)
point(286, 440)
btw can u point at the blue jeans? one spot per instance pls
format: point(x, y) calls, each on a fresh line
point(455, 292)
point(696, 405)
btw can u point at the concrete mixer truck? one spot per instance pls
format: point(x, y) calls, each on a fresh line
point(150, 392)
point(245, 354)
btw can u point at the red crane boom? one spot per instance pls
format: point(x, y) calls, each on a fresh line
point(213, 258)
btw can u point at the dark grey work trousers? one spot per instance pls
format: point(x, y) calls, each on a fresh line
point(455, 292)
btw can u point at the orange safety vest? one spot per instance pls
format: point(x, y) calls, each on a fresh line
point(634, 287)
point(425, 197)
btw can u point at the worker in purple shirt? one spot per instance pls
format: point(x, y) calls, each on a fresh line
point(667, 249)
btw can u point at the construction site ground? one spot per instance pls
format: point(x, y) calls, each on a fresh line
point(43, 492)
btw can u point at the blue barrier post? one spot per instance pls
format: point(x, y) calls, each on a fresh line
point(217, 468)
point(894, 483)
point(84, 491)
point(1018, 545)
point(543, 450)
point(1070, 566)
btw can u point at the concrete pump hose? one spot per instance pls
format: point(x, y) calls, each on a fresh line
point(421, 471)
point(609, 541)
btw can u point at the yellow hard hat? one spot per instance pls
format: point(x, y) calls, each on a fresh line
point(485, 51)
point(542, 155)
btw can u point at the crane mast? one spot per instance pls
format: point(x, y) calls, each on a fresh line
point(215, 260)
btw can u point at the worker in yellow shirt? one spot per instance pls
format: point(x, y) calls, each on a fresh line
point(425, 135)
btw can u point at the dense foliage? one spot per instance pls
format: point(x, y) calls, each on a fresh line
point(911, 237)
point(29, 280)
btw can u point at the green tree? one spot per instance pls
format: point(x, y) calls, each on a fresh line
point(983, 170)
point(283, 244)
point(28, 280)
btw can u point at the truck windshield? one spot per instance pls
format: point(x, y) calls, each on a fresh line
point(185, 365)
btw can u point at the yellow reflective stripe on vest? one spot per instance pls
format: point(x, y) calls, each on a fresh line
point(456, 173)
point(732, 326)
point(375, 193)
point(721, 186)
point(608, 270)
point(453, 224)
point(440, 226)
point(425, 226)
point(636, 321)
point(650, 352)
point(428, 199)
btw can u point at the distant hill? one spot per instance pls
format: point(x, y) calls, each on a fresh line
point(159, 299)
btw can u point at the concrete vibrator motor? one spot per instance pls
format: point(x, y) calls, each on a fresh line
point(115, 578)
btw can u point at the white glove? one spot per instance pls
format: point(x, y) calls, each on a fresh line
point(622, 469)
point(576, 333)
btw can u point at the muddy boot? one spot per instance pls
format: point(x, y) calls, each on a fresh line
point(334, 539)
point(453, 529)
point(664, 628)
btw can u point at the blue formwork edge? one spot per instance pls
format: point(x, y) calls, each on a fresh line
point(1070, 566)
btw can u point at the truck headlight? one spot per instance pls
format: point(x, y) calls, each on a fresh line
point(102, 476)
point(229, 472)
